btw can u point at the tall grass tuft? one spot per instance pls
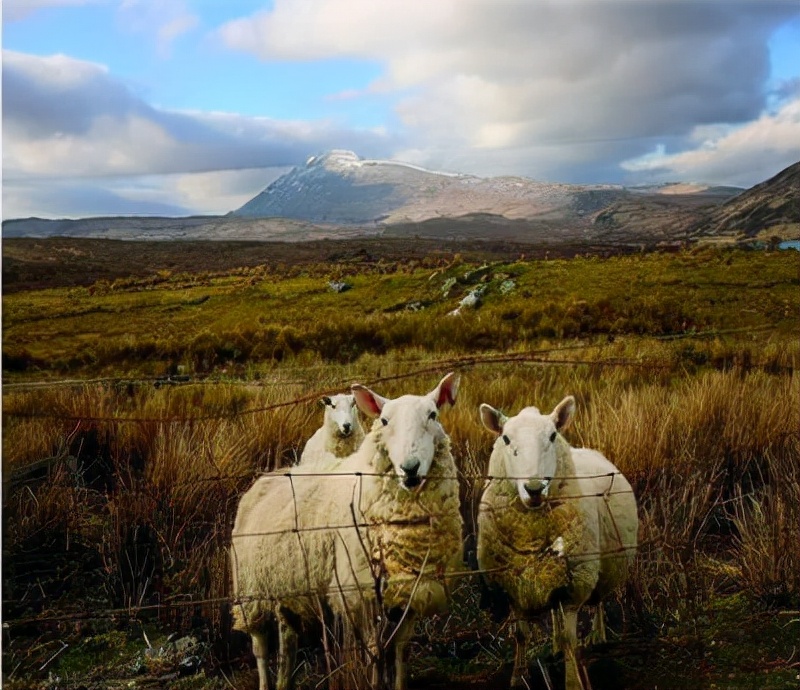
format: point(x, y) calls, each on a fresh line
point(144, 508)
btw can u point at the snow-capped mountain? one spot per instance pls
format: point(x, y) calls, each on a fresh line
point(339, 187)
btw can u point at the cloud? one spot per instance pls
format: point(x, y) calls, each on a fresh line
point(14, 10)
point(165, 21)
point(741, 156)
point(209, 193)
point(76, 198)
point(68, 118)
point(476, 79)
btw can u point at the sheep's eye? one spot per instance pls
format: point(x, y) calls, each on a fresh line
point(553, 437)
point(432, 416)
point(384, 421)
point(506, 440)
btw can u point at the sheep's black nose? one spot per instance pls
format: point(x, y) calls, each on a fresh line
point(410, 467)
point(346, 428)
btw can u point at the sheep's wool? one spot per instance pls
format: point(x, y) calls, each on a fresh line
point(514, 544)
point(271, 561)
point(342, 446)
point(415, 537)
point(294, 544)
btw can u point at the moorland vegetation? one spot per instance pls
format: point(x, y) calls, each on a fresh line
point(136, 411)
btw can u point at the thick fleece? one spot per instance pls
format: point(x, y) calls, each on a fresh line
point(411, 540)
point(327, 444)
point(516, 544)
point(294, 540)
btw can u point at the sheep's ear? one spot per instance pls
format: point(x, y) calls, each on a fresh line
point(368, 402)
point(562, 415)
point(492, 419)
point(446, 391)
point(324, 401)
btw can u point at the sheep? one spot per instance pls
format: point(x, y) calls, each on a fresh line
point(375, 539)
point(557, 527)
point(339, 436)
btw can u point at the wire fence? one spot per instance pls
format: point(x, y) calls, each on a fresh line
point(649, 547)
point(298, 527)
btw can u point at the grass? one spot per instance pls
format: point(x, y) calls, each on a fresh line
point(122, 494)
point(256, 317)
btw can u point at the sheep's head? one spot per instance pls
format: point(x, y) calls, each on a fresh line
point(527, 443)
point(341, 414)
point(410, 430)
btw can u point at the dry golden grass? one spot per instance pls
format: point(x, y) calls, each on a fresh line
point(123, 494)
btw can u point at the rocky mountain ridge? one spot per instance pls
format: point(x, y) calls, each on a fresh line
point(339, 195)
point(339, 187)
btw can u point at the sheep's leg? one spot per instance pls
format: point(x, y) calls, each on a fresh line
point(569, 640)
point(400, 643)
point(558, 635)
point(521, 636)
point(261, 654)
point(598, 634)
point(287, 654)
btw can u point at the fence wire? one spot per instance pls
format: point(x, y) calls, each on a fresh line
point(181, 601)
point(184, 600)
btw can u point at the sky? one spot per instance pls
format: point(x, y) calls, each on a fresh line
point(181, 107)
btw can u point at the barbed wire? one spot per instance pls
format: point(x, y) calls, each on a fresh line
point(178, 601)
point(457, 363)
point(432, 366)
point(210, 378)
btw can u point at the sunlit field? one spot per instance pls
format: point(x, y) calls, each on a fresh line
point(136, 412)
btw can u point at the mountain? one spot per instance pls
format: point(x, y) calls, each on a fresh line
point(771, 208)
point(343, 189)
point(340, 195)
point(339, 187)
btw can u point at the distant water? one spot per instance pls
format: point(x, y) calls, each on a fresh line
point(790, 244)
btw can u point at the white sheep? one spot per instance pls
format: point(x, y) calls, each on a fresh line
point(376, 538)
point(339, 436)
point(557, 527)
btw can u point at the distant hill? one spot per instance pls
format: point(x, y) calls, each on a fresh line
point(771, 208)
point(339, 195)
point(402, 199)
point(339, 187)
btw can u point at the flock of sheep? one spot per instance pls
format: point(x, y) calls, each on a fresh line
point(368, 527)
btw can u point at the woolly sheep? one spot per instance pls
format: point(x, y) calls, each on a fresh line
point(375, 539)
point(557, 527)
point(340, 434)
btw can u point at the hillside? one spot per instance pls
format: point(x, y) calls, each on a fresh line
point(341, 196)
point(771, 208)
point(341, 188)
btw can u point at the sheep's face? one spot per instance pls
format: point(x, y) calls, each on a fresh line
point(409, 428)
point(341, 414)
point(527, 444)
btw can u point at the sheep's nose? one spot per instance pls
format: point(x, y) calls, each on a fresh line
point(411, 470)
point(346, 428)
point(410, 467)
point(534, 487)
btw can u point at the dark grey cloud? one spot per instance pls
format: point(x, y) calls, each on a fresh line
point(65, 116)
point(479, 81)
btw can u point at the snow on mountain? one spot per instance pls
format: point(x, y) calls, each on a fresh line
point(341, 187)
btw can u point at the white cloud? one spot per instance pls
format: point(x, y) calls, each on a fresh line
point(66, 119)
point(220, 191)
point(558, 80)
point(742, 156)
point(165, 21)
point(210, 193)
